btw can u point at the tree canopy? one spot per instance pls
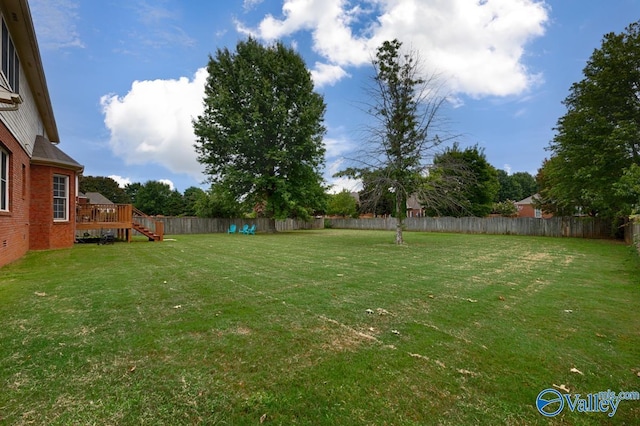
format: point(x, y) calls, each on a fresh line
point(105, 186)
point(342, 204)
point(262, 128)
point(516, 186)
point(157, 198)
point(374, 198)
point(598, 139)
point(218, 202)
point(477, 182)
point(191, 196)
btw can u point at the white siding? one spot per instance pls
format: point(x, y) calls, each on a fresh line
point(25, 123)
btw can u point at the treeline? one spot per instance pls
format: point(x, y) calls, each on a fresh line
point(152, 197)
point(157, 198)
point(472, 187)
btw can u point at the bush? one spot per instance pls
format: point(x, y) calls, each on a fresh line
point(505, 208)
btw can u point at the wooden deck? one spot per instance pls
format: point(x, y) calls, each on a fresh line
point(119, 217)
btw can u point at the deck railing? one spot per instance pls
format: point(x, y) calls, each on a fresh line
point(104, 213)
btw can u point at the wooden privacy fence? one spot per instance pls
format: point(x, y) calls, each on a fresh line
point(199, 225)
point(552, 227)
point(632, 233)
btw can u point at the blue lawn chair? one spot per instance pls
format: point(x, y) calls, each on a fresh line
point(232, 229)
point(252, 230)
point(244, 229)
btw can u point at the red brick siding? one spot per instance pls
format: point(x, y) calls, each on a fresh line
point(527, 210)
point(45, 233)
point(14, 225)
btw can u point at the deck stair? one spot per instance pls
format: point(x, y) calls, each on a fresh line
point(143, 229)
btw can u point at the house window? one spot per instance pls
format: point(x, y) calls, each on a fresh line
point(4, 180)
point(10, 62)
point(60, 197)
point(537, 213)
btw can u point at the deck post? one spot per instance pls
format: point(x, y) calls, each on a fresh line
point(160, 230)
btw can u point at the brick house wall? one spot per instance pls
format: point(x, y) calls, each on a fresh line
point(14, 224)
point(527, 209)
point(45, 233)
point(29, 134)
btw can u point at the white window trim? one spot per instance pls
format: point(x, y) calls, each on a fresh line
point(12, 73)
point(5, 179)
point(66, 199)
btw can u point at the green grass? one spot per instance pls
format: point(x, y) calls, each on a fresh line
point(225, 329)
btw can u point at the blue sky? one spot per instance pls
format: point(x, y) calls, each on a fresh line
point(127, 76)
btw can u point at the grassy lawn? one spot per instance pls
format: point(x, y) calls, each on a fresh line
point(318, 327)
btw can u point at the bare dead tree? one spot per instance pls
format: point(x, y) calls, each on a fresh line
point(402, 140)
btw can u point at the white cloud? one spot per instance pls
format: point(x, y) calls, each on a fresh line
point(325, 74)
point(328, 20)
point(248, 5)
point(341, 183)
point(507, 168)
point(336, 147)
point(122, 181)
point(478, 46)
point(153, 123)
point(55, 23)
point(167, 182)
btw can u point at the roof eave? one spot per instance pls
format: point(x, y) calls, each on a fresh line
point(78, 168)
point(20, 24)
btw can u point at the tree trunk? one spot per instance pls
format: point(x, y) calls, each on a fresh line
point(399, 238)
point(399, 217)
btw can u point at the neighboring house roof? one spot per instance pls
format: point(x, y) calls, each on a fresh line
point(413, 203)
point(46, 153)
point(97, 198)
point(528, 200)
point(20, 24)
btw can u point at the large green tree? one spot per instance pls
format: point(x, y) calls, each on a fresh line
point(404, 106)
point(175, 205)
point(477, 182)
point(131, 189)
point(218, 202)
point(342, 204)
point(191, 196)
point(105, 186)
point(509, 189)
point(527, 182)
point(155, 198)
point(261, 133)
point(516, 186)
point(598, 138)
point(374, 198)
